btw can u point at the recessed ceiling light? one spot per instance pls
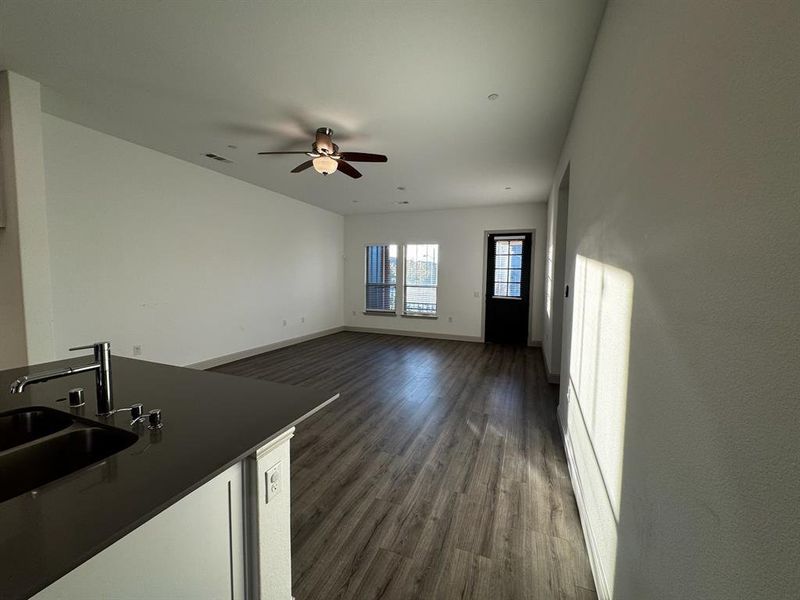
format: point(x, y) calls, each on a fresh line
point(402, 202)
point(508, 187)
point(232, 147)
point(355, 201)
point(493, 96)
point(401, 188)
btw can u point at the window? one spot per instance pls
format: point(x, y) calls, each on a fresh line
point(381, 277)
point(508, 267)
point(421, 279)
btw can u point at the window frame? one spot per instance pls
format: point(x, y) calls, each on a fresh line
point(415, 314)
point(367, 284)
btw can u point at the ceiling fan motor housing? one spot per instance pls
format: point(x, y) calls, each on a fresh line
point(323, 144)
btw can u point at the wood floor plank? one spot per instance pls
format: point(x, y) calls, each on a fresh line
point(359, 549)
point(386, 577)
point(437, 546)
point(439, 473)
point(469, 577)
point(584, 594)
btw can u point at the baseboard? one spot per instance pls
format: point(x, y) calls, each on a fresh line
point(551, 377)
point(229, 358)
point(600, 580)
point(420, 334)
point(233, 357)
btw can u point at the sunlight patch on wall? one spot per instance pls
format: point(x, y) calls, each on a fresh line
point(598, 368)
point(548, 291)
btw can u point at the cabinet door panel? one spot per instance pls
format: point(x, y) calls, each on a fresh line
point(191, 550)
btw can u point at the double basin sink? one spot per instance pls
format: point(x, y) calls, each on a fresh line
point(39, 445)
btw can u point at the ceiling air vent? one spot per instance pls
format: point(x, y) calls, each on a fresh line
point(217, 157)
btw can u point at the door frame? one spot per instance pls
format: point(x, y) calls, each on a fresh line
point(559, 336)
point(486, 234)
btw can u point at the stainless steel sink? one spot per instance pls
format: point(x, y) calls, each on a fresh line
point(39, 462)
point(23, 425)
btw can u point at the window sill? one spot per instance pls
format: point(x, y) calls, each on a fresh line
point(414, 316)
point(381, 313)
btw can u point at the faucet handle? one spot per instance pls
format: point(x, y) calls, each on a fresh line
point(90, 346)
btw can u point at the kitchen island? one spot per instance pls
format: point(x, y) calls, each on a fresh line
point(182, 508)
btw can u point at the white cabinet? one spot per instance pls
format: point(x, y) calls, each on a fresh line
point(230, 539)
point(192, 550)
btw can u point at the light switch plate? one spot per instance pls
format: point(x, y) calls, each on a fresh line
point(272, 482)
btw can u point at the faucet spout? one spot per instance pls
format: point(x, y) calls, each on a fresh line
point(19, 385)
point(101, 366)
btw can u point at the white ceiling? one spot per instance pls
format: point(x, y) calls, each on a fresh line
point(405, 78)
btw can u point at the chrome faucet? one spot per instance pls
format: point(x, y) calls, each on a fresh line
point(101, 366)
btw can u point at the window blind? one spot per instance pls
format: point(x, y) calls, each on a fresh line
point(381, 277)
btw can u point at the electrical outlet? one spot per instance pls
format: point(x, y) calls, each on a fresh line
point(284, 322)
point(302, 319)
point(137, 350)
point(449, 319)
point(476, 294)
point(272, 481)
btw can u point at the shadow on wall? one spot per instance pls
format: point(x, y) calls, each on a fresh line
point(595, 411)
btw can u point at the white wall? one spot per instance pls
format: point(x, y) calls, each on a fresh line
point(190, 264)
point(460, 235)
point(680, 392)
point(13, 349)
point(26, 310)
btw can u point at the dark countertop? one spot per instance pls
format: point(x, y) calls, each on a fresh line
point(211, 421)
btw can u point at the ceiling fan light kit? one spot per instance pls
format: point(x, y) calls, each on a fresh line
point(326, 158)
point(325, 165)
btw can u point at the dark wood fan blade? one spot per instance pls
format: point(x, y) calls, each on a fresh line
point(302, 166)
point(348, 169)
point(299, 152)
point(363, 157)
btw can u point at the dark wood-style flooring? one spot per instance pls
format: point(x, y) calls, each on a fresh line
point(439, 473)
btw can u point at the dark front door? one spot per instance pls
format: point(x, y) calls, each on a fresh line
point(508, 278)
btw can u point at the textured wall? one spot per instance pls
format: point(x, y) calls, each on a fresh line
point(682, 403)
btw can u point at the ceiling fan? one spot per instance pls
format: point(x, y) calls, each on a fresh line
point(326, 158)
